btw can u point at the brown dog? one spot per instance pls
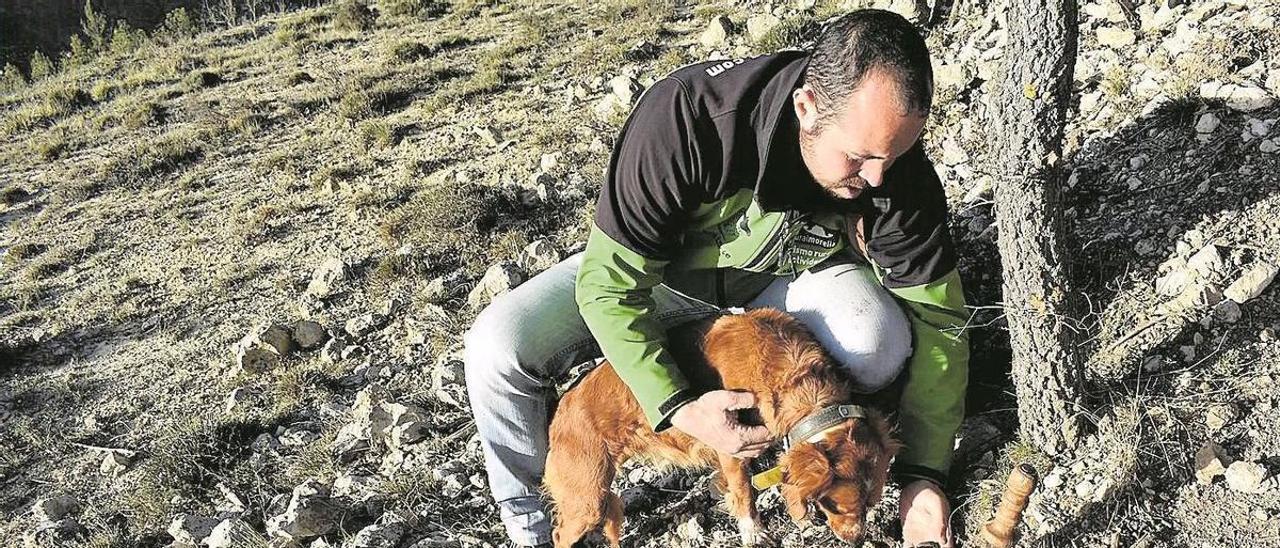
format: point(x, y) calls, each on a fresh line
point(840, 464)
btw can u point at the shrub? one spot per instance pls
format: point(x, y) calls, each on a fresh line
point(355, 105)
point(13, 195)
point(51, 148)
point(144, 114)
point(415, 8)
point(246, 123)
point(11, 78)
point(95, 28)
point(790, 33)
point(198, 79)
point(79, 53)
point(125, 39)
point(177, 25)
point(63, 100)
point(353, 15)
point(101, 90)
point(41, 66)
point(377, 133)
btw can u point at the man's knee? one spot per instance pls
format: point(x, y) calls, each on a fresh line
point(874, 346)
point(489, 348)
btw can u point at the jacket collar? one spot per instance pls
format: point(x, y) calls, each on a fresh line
point(783, 181)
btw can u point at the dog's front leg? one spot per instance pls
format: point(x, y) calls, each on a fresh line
point(742, 501)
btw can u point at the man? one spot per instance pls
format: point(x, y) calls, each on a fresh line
point(795, 181)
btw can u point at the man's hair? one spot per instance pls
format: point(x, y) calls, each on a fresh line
point(849, 47)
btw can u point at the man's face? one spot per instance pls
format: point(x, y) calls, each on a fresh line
point(851, 151)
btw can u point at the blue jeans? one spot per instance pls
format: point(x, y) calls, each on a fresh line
point(526, 339)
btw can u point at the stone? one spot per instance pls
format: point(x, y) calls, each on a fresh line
point(1211, 462)
point(489, 134)
point(55, 508)
point(1258, 128)
point(1207, 262)
point(1246, 477)
point(1153, 364)
point(1112, 37)
point(356, 488)
point(240, 398)
point(1138, 162)
point(1174, 282)
point(758, 26)
point(691, 529)
point(298, 436)
point(448, 377)
point(608, 107)
point(233, 533)
point(1207, 123)
point(333, 350)
point(351, 442)
point(538, 256)
point(1245, 98)
point(1085, 489)
point(950, 75)
point(309, 335)
point(1227, 312)
point(1106, 10)
point(254, 359)
point(190, 531)
point(408, 424)
point(379, 536)
point(277, 338)
point(1252, 283)
point(310, 513)
point(1053, 480)
point(1268, 146)
point(326, 277)
point(116, 463)
point(549, 161)
point(498, 279)
point(717, 32)
point(626, 89)
point(1219, 415)
point(364, 324)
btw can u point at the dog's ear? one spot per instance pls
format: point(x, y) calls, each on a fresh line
point(806, 473)
point(875, 436)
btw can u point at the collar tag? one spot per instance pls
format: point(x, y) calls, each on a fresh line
point(767, 479)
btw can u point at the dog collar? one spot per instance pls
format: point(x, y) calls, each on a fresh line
point(822, 420)
point(813, 424)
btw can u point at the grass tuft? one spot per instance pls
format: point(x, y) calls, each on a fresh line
point(353, 16)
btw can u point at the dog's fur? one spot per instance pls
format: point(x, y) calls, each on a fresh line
point(598, 426)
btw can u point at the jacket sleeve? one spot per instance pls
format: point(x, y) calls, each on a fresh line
point(912, 250)
point(644, 205)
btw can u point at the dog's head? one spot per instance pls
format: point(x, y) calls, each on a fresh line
point(842, 474)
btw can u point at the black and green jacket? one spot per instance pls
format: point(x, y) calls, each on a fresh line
point(707, 177)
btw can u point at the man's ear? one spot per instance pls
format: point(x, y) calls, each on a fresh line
point(805, 474)
point(805, 102)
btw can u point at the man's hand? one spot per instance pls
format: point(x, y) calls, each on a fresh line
point(926, 516)
point(711, 420)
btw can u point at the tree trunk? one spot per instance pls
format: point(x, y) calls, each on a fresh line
point(1029, 112)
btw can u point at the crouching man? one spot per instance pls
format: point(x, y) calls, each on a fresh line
point(795, 181)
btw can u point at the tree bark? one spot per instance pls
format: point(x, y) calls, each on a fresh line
point(1029, 114)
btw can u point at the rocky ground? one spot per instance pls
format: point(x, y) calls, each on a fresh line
point(237, 268)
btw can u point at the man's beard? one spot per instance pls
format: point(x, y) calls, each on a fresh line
point(826, 200)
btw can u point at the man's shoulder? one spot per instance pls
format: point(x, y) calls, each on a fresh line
point(720, 86)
